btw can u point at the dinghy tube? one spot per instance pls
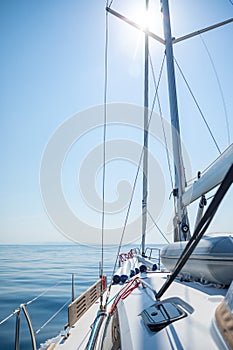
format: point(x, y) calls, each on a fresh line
point(211, 261)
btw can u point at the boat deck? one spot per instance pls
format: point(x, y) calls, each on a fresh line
point(196, 331)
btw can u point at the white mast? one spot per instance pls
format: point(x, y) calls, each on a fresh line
point(181, 228)
point(182, 198)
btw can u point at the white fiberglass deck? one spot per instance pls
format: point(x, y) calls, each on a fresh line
point(196, 331)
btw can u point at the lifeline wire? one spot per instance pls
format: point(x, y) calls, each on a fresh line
point(30, 302)
point(8, 317)
point(53, 316)
point(43, 293)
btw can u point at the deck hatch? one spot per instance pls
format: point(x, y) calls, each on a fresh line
point(159, 315)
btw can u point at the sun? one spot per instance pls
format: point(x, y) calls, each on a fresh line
point(146, 20)
point(132, 37)
point(149, 20)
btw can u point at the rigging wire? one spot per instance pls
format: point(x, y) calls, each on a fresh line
point(160, 231)
point(160, 112)
point(220, 89)
point(134, 185)
point(198, 107)
point(104, 148)
point(109, 4)
point(191, 181)
point(161, 118)
point(165, 140)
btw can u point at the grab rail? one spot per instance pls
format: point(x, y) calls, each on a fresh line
point(17, 327)
point(75, 310)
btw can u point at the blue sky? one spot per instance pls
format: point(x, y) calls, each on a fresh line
point(52, 66)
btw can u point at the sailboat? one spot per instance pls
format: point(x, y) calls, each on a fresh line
point(188, 302)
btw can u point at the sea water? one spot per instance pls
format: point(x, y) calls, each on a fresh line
point(29, 271)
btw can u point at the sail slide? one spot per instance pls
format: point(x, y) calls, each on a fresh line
point(211, 178)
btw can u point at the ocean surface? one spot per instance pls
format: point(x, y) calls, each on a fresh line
point(29, 271)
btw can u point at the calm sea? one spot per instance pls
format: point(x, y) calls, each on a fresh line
point(29, 270)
